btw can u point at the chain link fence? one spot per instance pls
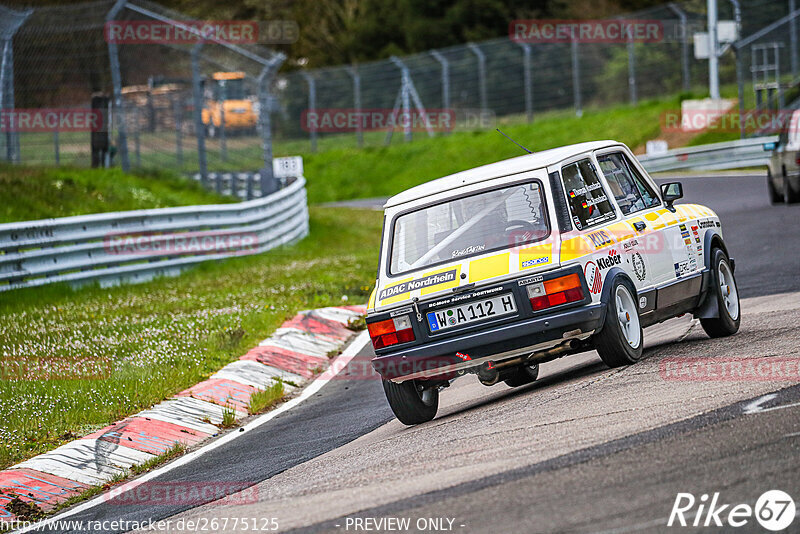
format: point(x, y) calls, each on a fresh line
point(209, 107)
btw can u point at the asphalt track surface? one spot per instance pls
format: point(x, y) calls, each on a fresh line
point(584, 449)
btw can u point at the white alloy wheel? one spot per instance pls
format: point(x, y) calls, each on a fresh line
point(628, 316)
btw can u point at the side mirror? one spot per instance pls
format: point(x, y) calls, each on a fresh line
point(671, 192)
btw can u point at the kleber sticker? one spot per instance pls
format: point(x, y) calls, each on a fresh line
point(607, 262)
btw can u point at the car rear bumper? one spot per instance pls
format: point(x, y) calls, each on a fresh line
point(438, 358)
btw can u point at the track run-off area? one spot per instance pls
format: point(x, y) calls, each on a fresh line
point(583, 449)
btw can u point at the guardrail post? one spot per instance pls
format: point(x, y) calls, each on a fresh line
point(353, 71)
point(527, 81)
point(481, 74)
point(576, 77)
point(445, 80)
point(200, 132)
point(312, 106)
point(116, 79)
point(268, 182)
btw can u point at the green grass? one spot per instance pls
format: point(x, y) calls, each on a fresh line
point(166, 335)
point(346, 173)
point(28, 193)
point(263, 399)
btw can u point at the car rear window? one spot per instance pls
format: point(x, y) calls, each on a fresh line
point(468, 226)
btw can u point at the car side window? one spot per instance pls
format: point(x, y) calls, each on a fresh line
point(587, 199)
point(630, 189)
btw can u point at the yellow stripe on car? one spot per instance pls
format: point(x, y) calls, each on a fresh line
point(489, 267)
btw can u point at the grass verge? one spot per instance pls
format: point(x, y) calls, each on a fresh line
point(29, 193)
point(163, 336)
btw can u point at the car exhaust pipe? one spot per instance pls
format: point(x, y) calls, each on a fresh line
point(490, 373)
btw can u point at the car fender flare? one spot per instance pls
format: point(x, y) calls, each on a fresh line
point(605, 294)
point(709, 307)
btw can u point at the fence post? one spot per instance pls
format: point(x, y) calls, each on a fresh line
point(576, 77)
point(445, 80)
point(793, 39)
point(223, 143)
point(312, 106)
point(56, 148)
point(177, 110)
point(687, 82)
point(268, 183)
point(481, 73)
point(116, 79)
point(199, 129)
point(353, 71)
point(632, 71)
point(12, 21)
point(527, 81)
point(137, 125)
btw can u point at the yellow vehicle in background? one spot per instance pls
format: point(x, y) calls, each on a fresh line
point(226, 100)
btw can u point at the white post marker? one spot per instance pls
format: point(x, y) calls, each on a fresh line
point(289, 167)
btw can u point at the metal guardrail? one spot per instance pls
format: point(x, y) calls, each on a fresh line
point(716, 156)
point(136, 246)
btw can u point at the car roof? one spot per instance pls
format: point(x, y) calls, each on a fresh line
point(529, 162)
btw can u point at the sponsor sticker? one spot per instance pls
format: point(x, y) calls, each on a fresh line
point(594, 278)
point(607, 262)
point(537, 261)
point(639, 267)
point(430, 280)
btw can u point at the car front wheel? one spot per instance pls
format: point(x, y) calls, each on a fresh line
point(620, 340)
point(723, 287)
point(411, 402)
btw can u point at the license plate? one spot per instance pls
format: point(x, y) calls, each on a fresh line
point(471, 312)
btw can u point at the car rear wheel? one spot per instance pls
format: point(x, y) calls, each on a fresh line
point(789, 195)
point(723, 286)
point(774, 196)
point(524, 374)
point(620, 341)
point(411, 402)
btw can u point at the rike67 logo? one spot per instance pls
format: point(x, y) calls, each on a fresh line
point(774, 510)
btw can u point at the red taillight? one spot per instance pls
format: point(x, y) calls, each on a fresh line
point(391, 332)
point(555, 292)
point(797, 158)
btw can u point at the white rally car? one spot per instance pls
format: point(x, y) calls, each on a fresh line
point(497, 269)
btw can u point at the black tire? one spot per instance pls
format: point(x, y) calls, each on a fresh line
point(789, 195)
point(774, 196)
point(611, 343)
point(409, 405)
point(725, 324)
point(524, 374)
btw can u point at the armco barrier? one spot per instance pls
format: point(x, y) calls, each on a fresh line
point(717, 156)
point(80, 249)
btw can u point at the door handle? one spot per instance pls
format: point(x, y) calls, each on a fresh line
point(640, 226)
